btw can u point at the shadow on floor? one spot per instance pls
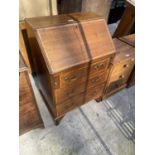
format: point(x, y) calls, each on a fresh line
point(121, 109)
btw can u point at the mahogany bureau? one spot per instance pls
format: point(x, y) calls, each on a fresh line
point(29, 117)
point(122, 66)
point(71, 59)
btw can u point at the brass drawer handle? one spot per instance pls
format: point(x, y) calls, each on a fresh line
point(98, 66)
point(72, 78)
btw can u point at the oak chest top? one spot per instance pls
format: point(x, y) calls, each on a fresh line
point(123, 51)
point(70, 40)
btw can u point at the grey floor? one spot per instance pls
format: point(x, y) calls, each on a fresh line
point(104, 128)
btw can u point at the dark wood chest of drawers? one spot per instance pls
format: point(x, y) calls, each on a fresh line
point(71, 58)
point(29, 117)
point(122, 66)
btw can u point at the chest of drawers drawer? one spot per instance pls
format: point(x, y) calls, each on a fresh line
point(124, 66)
point(115, 86)
point(120, 76)
point(97, 79)
point(70, 104)
point(65, 93)
point(100, 66)
point(94, 92)
point(73, 77)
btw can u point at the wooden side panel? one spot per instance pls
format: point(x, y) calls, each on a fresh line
point(43, 79)
point(29, 117)
point(122, 67)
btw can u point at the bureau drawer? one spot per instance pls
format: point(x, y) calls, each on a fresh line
point(113, 86)
point(69, 104)
point(100, 66)
point(120, 76)
point(67, 92)
point(73, 77)
point(98, 79)
point(124, 66)
point(94, 92)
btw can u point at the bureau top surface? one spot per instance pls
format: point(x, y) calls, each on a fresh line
point(22, 66)
point(123, 51)
point(84, 39)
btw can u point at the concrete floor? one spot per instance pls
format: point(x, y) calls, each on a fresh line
point(93, 129)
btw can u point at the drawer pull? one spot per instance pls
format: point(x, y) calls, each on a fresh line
point(72, 78)
point(126, 66)
point(121, 76)
point(98, 66)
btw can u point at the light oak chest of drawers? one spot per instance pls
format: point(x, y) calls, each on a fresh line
point(29, 116)
point(122, 66)
point(71, 58)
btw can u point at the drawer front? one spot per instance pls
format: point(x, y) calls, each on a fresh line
point(100, 66)
point(114, 86)
point(125, 66)
point(73, 77)
point(67, 92)
point(69, 104)
point(123, 76)
point(94, 92)
point(98, 79)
